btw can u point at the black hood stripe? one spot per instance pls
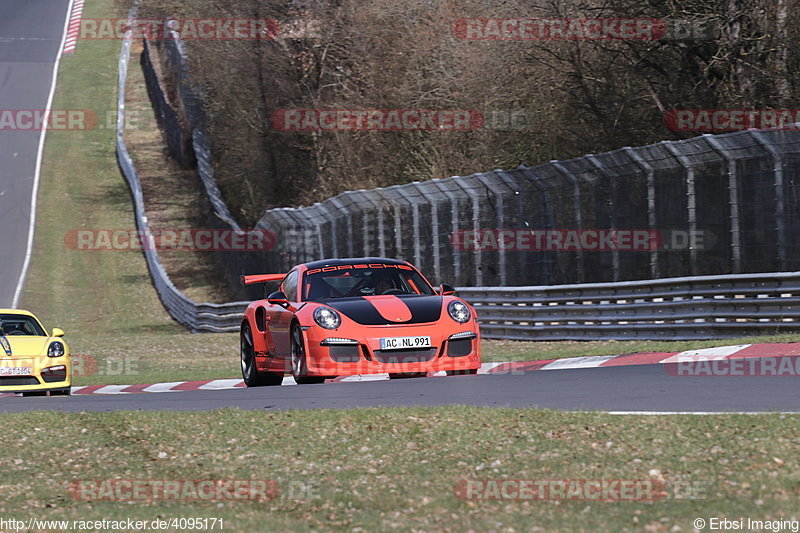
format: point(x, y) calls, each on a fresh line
point(423, 309)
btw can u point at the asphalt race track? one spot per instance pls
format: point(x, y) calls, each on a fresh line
point(625, 388)
point(30, 39)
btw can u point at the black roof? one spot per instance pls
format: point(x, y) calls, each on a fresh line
point(354, 261)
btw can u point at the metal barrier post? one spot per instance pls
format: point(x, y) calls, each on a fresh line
point(454, 222)
point(325, 213)
point(476, 218)
point(733, 199)
point(415, 224)
point(337, 203)
point(578, 217)
point(777, 169)
point(651, 202)
point(499, 224)
point(512, 184)
point(603, 170)
point(691, 199)
point(367, 197)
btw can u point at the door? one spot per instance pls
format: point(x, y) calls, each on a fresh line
point(280, 319)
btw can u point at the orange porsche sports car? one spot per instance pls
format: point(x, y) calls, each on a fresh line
point(367, 315)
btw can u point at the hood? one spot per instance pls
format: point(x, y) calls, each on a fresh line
point(389, 309)
point(24, 345)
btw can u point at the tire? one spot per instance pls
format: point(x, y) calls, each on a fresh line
point(467, 372)
point(405, 375)
point(61, 392)
point(252, 377)
point(299, 365)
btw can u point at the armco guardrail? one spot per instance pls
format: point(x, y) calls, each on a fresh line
point(702, 307)
point(194, 316)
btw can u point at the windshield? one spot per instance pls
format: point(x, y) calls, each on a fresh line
point(350, 281)
point(20, 325)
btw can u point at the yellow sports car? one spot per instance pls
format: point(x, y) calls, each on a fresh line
point(31, 361)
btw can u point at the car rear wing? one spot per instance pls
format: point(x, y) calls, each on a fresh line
point(262, 278)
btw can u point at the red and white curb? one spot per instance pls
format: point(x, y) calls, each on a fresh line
point(742, 351)
point(214, 384)
point(71, 42)
point(720, 353)
point(235, 383)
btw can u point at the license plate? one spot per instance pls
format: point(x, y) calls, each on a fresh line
point(401, 343)
point(15, 371)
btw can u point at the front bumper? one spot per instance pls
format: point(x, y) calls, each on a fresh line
point(40, 377)
point(364, 356)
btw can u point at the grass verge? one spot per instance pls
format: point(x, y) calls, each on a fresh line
point(385, 470)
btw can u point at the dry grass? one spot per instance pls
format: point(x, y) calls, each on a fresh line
point(396, 469)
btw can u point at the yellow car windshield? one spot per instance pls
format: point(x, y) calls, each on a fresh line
point(11, 324)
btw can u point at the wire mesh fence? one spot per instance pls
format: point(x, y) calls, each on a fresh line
point(710, 205)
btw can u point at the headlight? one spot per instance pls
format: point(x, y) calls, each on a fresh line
point(327, 317)
point(337, 341)
point(458, 311)
point(56, 349)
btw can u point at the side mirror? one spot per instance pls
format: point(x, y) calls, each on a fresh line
point(446, 290)
point(278, 298)
point(58, 332)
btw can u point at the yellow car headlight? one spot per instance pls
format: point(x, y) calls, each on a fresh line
point(56, 349)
